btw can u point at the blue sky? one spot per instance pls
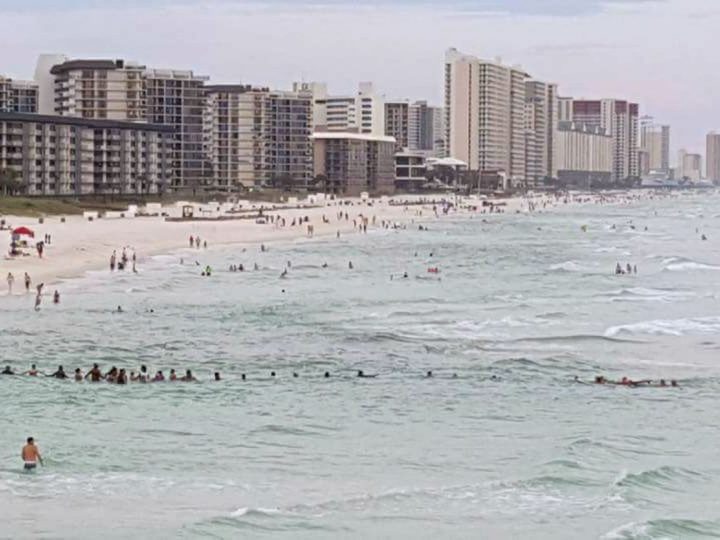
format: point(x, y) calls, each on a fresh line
point(661, 53)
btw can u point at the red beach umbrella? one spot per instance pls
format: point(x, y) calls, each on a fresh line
point(24, 231)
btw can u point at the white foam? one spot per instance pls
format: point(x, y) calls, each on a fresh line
point(669, 327)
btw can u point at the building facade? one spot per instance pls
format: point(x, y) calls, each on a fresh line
point(56, 155)
point(689, 166)
point(352, 163)
point(541, 118)
point(583, 154)
point(619, 119)
point(177, 99)
point(655, 141)
point(363, 112)
point(99, 89)
point(485, 114)
point(712, 155)
point(127, 91)
point(415, 126)
point(258, 137)
point(18, 96)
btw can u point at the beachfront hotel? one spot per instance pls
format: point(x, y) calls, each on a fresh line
point(363, 112)
point(258, 137)
point(60, 155)
point(128, 91)
point(655, 143)
point(541, 119)
point(18, 96)
point(620, 119)
point(712, 155)
point(415, 126)
point(353, 163)
point(583, 155)
point(485, 114)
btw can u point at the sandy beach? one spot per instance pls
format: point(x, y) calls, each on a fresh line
point(78, 245)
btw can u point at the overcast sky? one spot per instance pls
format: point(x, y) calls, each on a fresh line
point(661, 53)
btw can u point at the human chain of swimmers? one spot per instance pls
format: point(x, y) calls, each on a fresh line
point(120, 376)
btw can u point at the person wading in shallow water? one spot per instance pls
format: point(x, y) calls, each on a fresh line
point(31, 455)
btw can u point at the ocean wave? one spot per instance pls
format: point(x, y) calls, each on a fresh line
point(663, 478)
point(567, 266)
point(668, 327)
point(665, 528)
point(645, 294)
point(682, 264)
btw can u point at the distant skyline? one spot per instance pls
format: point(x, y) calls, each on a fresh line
point(657, 52)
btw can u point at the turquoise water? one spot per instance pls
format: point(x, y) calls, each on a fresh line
point(510, 448)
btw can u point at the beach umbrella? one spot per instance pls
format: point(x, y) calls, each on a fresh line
point(23, 231)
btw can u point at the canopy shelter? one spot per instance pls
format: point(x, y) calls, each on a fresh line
point(23, 231)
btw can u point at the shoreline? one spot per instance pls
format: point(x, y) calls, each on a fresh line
point(79, 246)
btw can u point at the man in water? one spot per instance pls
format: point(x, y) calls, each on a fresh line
point(95, 375)
point(7, 371)
point(31, 455)
point(217, 375)
point(188, 376)
point(78, 375)
point(59, 374)
point(32, 372)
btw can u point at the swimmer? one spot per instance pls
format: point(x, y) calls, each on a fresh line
point(32, 372)
point(362, 375)
point(327, 375)
point(173, 376)
point(56, 297)
point(119, 309)
point(295, 375)
point(217, 375)
point(31, 455)
point(159, 377)
point(429, 374)
point(95, 375)
point(122, 377)
point(242, 376)
point(78, 375)
point(7, 371)
point(272, 373)
point(59, 374)
point(188, 377)
point(350, 265)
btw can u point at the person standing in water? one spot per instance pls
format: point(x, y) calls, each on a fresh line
point(31, 455)
point(28, 281)
point(10, 281)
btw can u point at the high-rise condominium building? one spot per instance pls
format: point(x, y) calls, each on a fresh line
point(689, 165)
point(583, 154)
point(127, 91)
point(100, 89)
point(177, 99)
point(619, 119)
point(541, 118)
point(485, 114)
point(60, 155)
point(415, 126)
point(255, 136)
point(354, 162)
point(655, 141)
point(361, 113)
point(565, 109)
point(713, 157)
point(18, 96)
point(397, 123)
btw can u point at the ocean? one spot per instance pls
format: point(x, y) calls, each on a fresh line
point(500, 442)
